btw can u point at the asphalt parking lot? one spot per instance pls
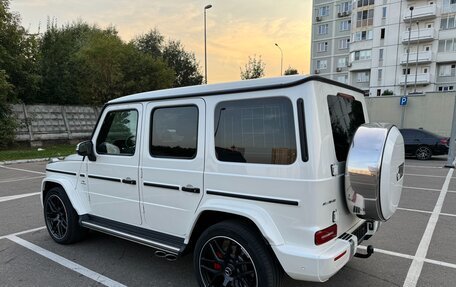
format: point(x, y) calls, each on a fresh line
point(415, 248)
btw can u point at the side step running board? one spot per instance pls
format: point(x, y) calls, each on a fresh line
point(160, 241)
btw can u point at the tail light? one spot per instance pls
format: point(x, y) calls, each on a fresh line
point(325, 235)
point(444, 141)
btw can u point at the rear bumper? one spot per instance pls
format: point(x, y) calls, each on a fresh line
point(313, 265)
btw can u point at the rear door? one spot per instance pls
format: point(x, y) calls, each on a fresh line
point(172, 164)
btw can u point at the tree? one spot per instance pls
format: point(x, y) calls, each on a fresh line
point(151, 43)
point(253, 69)
point(7, 121)
point(18, 56)
point(291, 71)
point(184, 64)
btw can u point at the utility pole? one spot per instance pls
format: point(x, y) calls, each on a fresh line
point(281, 59)
point(417, 53)
point(205, 45)
point(452, 143)
point(407, 65)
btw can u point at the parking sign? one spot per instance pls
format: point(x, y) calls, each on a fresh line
point(403, 101)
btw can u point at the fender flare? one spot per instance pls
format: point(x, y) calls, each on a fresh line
point(259, 216)
point(77, 199)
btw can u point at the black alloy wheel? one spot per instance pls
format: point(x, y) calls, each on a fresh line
point(423, 153)
point(224, 262)
point(62, 220)
point(56, 217)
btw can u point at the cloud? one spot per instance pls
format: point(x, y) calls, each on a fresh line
point(236, 29)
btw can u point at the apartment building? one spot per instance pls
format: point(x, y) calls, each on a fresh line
point(374, 56)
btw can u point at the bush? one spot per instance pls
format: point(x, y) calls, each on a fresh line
point(7, 121)
point(387, 93)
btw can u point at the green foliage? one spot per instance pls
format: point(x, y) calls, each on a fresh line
point(387, 93)
point(291, 71)
point(253, 69)
point(183, 63)
point(7, 121)
point(18, 51)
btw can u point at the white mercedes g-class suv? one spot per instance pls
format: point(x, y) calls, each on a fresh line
point(256, 177)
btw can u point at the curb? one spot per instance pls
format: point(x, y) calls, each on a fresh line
point(7, 162)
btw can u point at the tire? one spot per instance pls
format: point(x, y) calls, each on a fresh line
point(62, 221)
point(423, 153)
point(250, 257)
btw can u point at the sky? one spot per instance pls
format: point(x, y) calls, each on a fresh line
point(236, 29)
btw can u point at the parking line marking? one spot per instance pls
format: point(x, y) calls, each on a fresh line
point(425, 211)
point(420, 188)
point(423, 166)
point(414, 271)
point(20, 169)
point(406, 256)
point(13, 197)
point(66, 263)
point(23, 232)
point(425, 175)
point(21, 179)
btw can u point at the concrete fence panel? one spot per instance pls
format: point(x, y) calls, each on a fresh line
point(432, 112)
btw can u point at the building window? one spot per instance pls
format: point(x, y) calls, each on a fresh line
point(344, 25)
point(380, 54)
point(342, 79)
point(364, 18)
point(380, 75)
point(382, 33)
point(447, 45)
point(345, 7)
point(362, 35)
point(258, 131)
point(404, 71)
point(323, 11)
point(448, 22)
point(360, 55)
point(323, 29)
point(384, 12)
point(362, 77)
point(446, 70)
point(322, 64)
point(446, 88)
point(342, 62)
point(322, 47)
point(362, 3)
point(343, 43)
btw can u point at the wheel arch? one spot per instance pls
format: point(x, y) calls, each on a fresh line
point(222, 210)
point(77, 201)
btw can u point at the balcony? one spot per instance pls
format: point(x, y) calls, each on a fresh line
point(421, 79)
point(360, 65)
point(423, 58)
point(421, 13)
point(422, 35)
point(446, 57)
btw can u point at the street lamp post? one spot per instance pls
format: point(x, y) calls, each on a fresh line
point(417, 52)
point(281, 59)
point(205, 43)
point(407, 65)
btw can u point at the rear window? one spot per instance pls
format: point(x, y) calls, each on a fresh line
point(255, 131)
point(346, 116)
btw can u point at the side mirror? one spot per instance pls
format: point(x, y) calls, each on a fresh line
point(86, 149)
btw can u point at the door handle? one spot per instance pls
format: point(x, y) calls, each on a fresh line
point(129, 181)
point(191, 189)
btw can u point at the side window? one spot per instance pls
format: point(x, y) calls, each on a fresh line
point(255, 131)
point(174, 132)
point(117, 135)
point(346, 115)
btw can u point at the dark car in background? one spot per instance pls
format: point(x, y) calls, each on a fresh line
point(424, 144)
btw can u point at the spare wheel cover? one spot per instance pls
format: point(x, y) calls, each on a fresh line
point(374, 171)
